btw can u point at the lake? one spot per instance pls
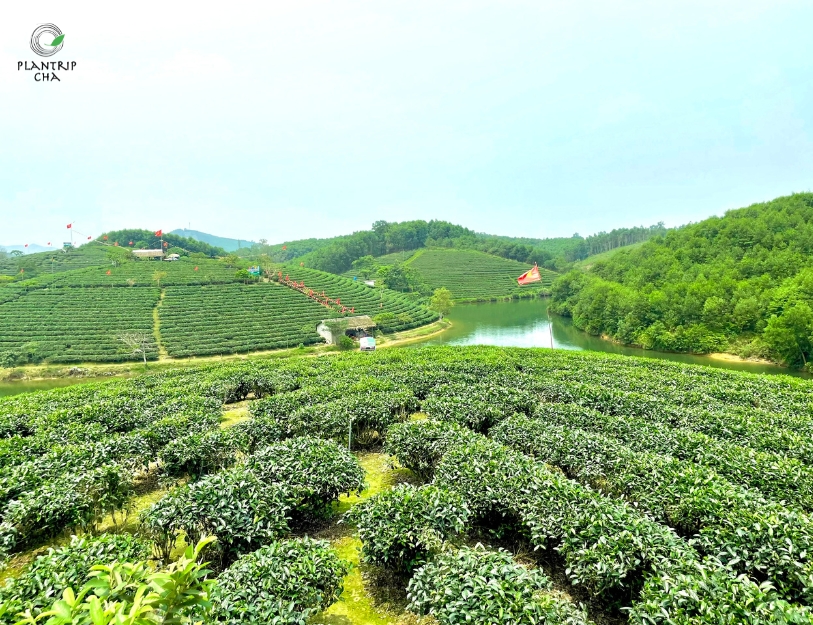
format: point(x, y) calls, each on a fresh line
point(525, 323)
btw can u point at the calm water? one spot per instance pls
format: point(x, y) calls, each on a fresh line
point(525, 323)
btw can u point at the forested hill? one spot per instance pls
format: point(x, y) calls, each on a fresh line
point(337, 254)
point(742, 283)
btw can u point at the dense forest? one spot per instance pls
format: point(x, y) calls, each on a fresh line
point(337, 254)
point(741, 283)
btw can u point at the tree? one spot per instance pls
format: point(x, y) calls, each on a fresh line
point(790, 335)
point(232, 260)
point(441, 301)
point(137, 343)
point(119, 255)
point(15, 253)
point(159, 275)
point(243, 275)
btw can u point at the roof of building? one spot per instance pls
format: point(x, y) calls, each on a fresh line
point(353, 323)
point(150, 253)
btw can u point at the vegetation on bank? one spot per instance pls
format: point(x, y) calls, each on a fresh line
point(741, 283)
point(591, 470)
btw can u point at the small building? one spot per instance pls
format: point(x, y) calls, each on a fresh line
point(148, 254)
point(356, 327)
point(369, 282)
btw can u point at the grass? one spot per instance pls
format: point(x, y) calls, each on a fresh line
point(357, 604)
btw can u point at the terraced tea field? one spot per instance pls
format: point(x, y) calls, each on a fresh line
point(76, 325)
point(475, 276)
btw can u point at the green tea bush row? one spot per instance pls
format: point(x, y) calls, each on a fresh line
point(77, 325)
point(477, 406)
point(737, 527)
point(254, 503)
point(777, 477)
point(367, 416)
point(420, 445)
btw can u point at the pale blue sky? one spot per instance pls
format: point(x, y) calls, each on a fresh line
point(296, 119)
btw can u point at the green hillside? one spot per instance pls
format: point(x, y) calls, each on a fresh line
point(394, 241)
point(474, 276)
point(742, 282)
point(80, 315)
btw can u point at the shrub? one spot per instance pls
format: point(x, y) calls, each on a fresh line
point(319, 469)
point(284, 582)
point(199, 453)
point(420, 445)
point(478, 586)
point(403, 527)
point(345, 343)
point(241, 510)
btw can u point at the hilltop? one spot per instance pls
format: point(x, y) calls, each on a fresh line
point(742, 283)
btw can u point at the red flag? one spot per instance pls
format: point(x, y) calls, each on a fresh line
point(286, 277)
point(196, 268)
point(89, 238)
point(158, 233)
point(285, 247)
point(105, 237)
point(530, 276)
point(116, 244)
point(69, 226)
point(49, 244)
point(26, 245)
point(338, 301)
point(131, 242)
point(352, 310)
point(165, 244)
point(108, 272)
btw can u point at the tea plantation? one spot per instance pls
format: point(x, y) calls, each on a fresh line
point(536, 486)
point(475, 276)
point(80, 315)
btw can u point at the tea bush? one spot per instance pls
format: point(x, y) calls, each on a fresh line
point(402, 528)
point(283, 582)
point(479, 586)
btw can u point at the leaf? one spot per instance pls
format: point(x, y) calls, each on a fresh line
point(57, 41)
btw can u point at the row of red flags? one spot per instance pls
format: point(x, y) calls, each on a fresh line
point(320, 298)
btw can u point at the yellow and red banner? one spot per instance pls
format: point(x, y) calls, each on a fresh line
point(530, 276)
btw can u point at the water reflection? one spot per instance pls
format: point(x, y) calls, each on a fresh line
point(526, 324)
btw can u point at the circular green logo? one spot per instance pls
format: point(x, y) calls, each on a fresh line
point(52, 37)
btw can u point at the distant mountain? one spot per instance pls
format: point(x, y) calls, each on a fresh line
point(32, 247)
point(230, 245)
